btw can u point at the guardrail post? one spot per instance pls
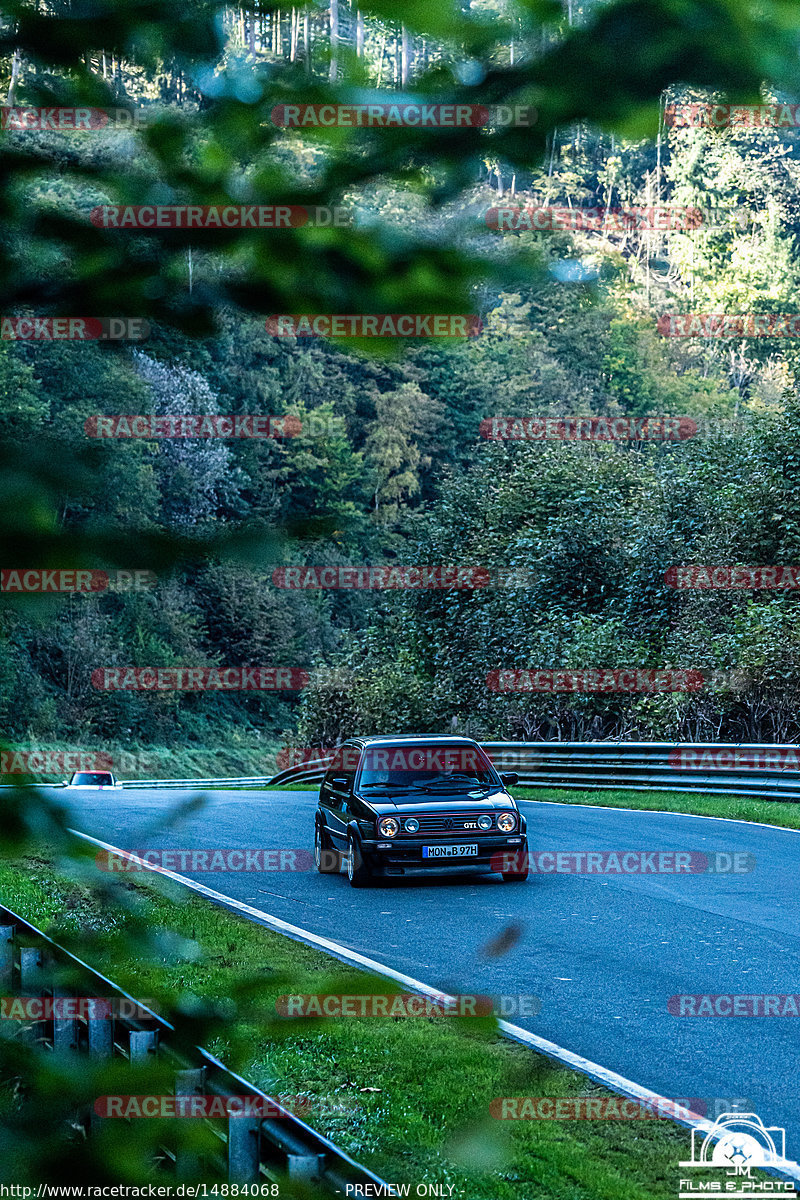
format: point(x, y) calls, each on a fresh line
point(30, 983)
point(6, 957)
point(188, 1083)
point(30, 967)
point(243, 1149)
point(142, 1043)
point(65, 1029)
point(100, 1030)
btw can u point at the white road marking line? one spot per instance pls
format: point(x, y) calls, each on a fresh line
point(665, 812)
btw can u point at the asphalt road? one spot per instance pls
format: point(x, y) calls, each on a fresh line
point(603, 953)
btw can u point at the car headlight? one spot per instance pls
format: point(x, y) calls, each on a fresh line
point(388, 827)
point(411, 825)
point(506, 822)
point(485, 822)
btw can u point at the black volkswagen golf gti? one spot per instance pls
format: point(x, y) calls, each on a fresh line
point(403, 806)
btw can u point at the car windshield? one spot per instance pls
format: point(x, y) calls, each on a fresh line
point(91, 778)
point(427, 768)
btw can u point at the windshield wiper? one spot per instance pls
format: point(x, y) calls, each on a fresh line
point(458, 777)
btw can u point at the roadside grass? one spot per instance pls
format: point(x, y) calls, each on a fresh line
point(224, 753)
point(409, 1096)
point(739, 808)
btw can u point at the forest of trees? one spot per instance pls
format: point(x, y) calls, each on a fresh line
point(392, 466)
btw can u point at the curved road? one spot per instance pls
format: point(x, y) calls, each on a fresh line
point(604, 953)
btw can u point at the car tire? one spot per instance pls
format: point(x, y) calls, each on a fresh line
point(358, 875)
point(327, 860)
point(518, 876)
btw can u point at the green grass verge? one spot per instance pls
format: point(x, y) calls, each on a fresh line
point(422, 1087)
point(222, 754)
point(739, 808)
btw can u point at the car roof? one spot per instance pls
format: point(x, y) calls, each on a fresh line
point(377, 739)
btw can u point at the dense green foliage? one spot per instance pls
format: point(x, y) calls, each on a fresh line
point(392, 467)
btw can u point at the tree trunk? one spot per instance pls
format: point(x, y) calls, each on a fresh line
point(295, 26)
point(307, 41)
point(380, 59)
point(334, 68)
point(359, 34)
point(405, 54)
point(12, 87)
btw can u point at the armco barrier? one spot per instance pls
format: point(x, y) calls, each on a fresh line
point(650, 766)
point(257, 1149)
point(627, 766)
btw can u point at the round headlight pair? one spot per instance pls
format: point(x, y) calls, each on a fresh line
point(506, 822)
point(485, 822)
point(388, 827)
point(411, 825)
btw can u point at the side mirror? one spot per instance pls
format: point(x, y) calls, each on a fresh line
point(509, 779)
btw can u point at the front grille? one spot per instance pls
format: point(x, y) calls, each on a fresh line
point(445, 823)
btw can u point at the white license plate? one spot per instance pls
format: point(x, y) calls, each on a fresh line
point(450, 851)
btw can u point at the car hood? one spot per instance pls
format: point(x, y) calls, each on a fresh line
point(452, 802)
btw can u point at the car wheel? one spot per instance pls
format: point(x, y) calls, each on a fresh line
point(327, 860)
point(521, 875)
point(357, 874)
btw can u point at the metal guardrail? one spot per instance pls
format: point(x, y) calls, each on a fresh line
point(239, 781)
point(729, 769)
point(632, 766)
point(592, 766)
point(257, 1149)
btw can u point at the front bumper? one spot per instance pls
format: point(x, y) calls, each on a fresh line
point(403, 856)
